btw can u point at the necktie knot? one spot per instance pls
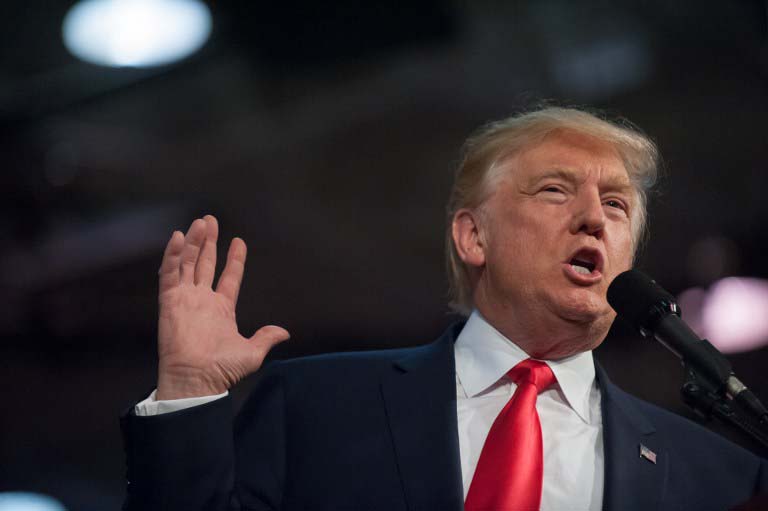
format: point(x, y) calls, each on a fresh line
point(531, 371)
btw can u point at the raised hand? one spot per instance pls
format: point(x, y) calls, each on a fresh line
point(200, 350)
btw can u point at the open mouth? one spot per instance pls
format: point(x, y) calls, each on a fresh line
point(586, 261)
point(583, 267)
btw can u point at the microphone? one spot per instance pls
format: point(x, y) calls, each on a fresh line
point(654, 313)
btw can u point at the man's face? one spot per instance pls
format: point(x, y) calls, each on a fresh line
point(556, 231)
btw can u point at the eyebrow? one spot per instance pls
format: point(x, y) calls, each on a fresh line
point(614, 183)
point(563, 174)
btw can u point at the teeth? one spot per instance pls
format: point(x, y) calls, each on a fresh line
point(581, 269)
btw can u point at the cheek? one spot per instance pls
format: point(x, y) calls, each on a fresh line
point(540, 225)
point(509, 253)
point(623, 253)
point(522, 238)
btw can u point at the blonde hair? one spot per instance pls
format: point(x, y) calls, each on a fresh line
point(483, 152)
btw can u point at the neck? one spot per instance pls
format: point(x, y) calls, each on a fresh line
point(544, 336)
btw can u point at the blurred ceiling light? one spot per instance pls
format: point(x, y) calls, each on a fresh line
point(732, 314)
point(604, 67)
point(25, 501)
point(136, 33)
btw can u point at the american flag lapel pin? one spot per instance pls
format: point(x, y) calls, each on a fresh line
point(647, 454)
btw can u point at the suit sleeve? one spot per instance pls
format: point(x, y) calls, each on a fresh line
point(186, 460)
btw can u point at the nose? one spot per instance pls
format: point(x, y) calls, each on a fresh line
point(588, 215)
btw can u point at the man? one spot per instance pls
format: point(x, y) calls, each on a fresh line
point(507, 411)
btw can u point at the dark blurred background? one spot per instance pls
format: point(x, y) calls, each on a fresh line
point(325, 134)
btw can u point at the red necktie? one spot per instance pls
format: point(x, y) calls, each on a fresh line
point(509, 472)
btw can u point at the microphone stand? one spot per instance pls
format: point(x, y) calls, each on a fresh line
point(708, 399)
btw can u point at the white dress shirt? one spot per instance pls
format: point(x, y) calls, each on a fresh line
point(571, 424)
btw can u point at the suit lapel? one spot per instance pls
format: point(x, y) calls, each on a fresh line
point(636, 460)
point(420, 398)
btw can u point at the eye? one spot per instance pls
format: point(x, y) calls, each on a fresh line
point(613, 203)
point(552, 189)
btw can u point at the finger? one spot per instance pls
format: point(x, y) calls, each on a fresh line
point(193, 242)
point(206, 263)
point(169, 268)
point(232, 276)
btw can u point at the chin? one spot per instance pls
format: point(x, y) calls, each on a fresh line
point(586, 309)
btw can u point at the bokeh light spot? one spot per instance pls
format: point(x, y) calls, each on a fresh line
point(732, 314)
point(26, 501)
point(136, 33)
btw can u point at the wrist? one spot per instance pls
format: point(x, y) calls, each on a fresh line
point(180, 387)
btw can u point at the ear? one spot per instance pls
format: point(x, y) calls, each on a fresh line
point(467, 239)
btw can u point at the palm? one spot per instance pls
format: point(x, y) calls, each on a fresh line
point(200, 349)
point(196, 322)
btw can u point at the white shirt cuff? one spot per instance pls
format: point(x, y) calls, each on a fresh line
point(151, 406)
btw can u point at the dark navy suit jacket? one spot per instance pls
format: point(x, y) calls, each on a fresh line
point(378, 431)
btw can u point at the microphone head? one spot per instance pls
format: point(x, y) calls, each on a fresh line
point(640, 300)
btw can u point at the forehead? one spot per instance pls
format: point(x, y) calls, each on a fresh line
point(568, 153)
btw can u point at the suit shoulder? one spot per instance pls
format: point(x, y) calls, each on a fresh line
point(350, 362)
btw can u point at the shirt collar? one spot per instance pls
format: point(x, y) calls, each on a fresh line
point(484, 355)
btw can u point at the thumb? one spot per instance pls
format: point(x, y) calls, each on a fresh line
point(260, 343)
point(270, 335)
